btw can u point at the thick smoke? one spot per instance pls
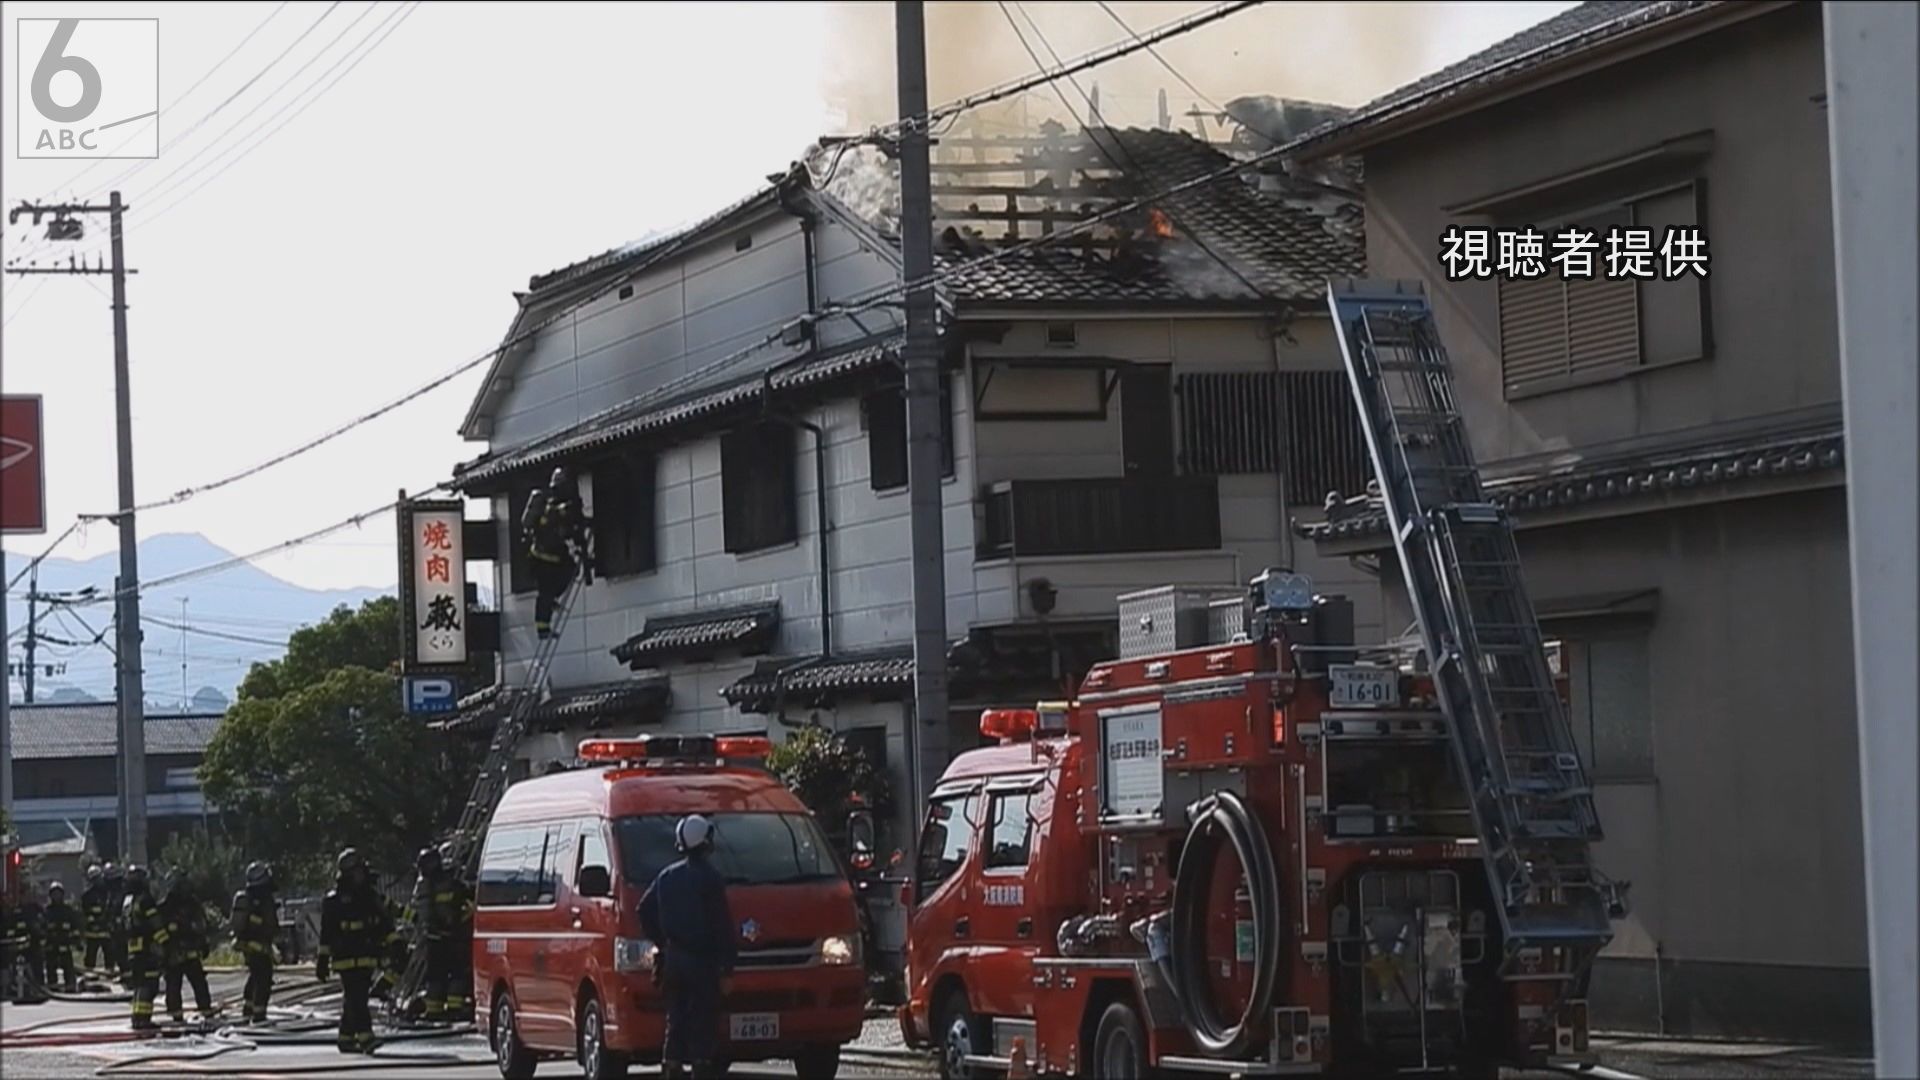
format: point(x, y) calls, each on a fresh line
point(1342, 53)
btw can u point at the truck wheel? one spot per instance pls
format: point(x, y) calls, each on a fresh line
point(596, 1061)
point(515, 1060)
point(1120, 1045)
point(817, 1062)
point(959, 1035)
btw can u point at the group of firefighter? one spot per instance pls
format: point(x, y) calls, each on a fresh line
point(122, 928)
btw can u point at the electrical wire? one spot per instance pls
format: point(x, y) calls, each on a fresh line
point(1218, 108)
point(190, 629)
point(1120, 143)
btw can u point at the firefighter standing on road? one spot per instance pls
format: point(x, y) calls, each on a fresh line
point(146, 936)
point(685, 914)
point(435, 911)
point(460, 981)
point(13, 950)
point(96, 919)
point(555, 527)
point(186, 950)
point(355, 935)
point(117, 943)
point(256, 923)
point(61, 929)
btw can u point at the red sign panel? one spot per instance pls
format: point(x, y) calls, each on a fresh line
point(23, 471)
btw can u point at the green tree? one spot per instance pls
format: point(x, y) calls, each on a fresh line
point(826, 773)
point(317, 754)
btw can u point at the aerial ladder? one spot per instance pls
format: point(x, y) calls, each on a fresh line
point(1532, 802)
point(488, 787)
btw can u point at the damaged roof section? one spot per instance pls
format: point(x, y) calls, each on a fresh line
point(1248, 238)
point(1360, 518)
point(702, 634)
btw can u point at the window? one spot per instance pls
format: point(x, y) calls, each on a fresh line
point(519, 564)
point(1011, 837)
point(1062, 335)
point(183, 779)
point(593, 849)
point(758, 504)
point(503, 880)
point(886, 417)
point(1557, 332)
point(1612, 706)
point(623, 525)
point(556, 846)
point(951, 821)
point(1302, 423)
point(1015, 391)
point(748, 848)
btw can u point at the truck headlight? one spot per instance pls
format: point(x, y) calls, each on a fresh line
point(633, 954)
point(840, 950)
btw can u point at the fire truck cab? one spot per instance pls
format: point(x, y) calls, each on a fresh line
point(1250, 854)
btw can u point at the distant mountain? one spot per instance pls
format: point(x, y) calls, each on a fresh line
point(232, 619)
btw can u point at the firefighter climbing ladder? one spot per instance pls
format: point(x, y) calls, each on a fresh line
point(1532, 804)
point(490, 785)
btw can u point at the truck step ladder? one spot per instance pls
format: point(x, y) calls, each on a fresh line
point(1532, 803)
point(490, 785)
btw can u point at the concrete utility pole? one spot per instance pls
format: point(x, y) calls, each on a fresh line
point(926, 735)
point(1873, 54)
point(129, 687)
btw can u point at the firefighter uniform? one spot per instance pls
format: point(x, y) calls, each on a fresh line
point(96, 917)
point(555, 526)
point(435, 914)
point(256, 923)
point(356, 935)
point(146, 937)
point(117, 943)
point(185, 951)
point(60, 934)
point(685, 914)
point(13, 952)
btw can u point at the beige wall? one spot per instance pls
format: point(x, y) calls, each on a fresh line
point(1758, 88)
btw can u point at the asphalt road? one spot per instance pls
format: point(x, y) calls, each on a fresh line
point(446, 1057)
point(877, 1053)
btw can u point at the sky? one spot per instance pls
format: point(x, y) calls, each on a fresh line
point(353, 223)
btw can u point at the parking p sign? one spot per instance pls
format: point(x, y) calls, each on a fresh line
point(427, 695)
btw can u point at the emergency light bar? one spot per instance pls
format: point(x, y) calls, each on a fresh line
point(675, 747)
point(1007, 725)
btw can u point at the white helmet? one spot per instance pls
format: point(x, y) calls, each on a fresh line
point(693, 832)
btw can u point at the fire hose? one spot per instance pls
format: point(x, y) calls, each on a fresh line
point(1219, 820)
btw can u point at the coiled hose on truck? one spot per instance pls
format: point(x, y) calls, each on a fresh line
point(1219, 820)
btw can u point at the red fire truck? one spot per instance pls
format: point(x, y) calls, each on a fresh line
point(1252, 855)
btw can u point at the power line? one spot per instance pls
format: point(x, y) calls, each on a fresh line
point(1175, 72)
point(1100, 143)
point(190, 629)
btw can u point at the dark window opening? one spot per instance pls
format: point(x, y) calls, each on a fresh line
point(519, 566)
point(759, 507)
point(743, 243)
point(1062, 335)
point(886, 416)
point(623, 515)
point(1300, 423)
point(626, 292)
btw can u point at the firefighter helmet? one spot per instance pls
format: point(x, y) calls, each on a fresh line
point(693, 833)
point(446, 852)
point(350, 860)
point(258, 874)
point(95, 875)
point(559, 479)
point(56, 891)
point(116, 872)
point(136, 876)
point(428, 861)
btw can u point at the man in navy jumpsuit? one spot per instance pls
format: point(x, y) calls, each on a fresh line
point(685, 915)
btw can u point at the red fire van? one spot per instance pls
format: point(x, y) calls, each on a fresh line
point(560, 966)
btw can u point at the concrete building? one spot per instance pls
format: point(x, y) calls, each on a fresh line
point(735, 410)
point(1673, 453)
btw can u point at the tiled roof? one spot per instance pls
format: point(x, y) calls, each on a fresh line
point(821, 677)
point(1361, 517)
point(701, 632)
point(55, 732)
point(1285, 245)
point(638, 253)
point(723, 389)
point(1570, 32)
point(641, 699)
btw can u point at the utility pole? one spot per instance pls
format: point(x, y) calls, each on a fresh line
point(129, 687)
point(33, 626)
point(183, 656)
point(1871, 123)
point(926, 734)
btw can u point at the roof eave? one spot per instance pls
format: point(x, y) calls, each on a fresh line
point(1421, 113)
